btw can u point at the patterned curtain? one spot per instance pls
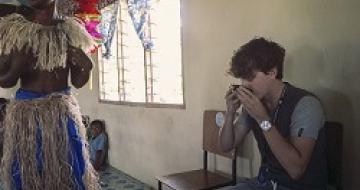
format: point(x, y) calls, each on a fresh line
point(139, 10)
point(108, 27)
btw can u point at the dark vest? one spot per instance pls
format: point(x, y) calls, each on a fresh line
point(315, 176)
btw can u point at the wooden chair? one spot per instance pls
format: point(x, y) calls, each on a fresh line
point(203, 179)
point(334, 142)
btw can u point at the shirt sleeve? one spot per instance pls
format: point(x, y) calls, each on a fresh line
point(308, 118)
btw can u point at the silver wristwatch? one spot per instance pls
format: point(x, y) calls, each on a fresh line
point(265, 125)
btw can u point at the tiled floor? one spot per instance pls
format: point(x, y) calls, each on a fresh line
point(113, 179)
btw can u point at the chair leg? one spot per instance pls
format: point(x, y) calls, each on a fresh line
point(159, 185)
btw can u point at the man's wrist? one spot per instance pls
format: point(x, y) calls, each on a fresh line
point(262, 119)
point(265, 125)
point(230, 111)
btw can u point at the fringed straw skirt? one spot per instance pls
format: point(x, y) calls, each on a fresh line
point(44, 144)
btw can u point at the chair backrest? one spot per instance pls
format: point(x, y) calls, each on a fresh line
point(334, 144)
point(211, 141)
point(211, 134)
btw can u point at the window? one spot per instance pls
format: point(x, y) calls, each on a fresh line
point(134, 75)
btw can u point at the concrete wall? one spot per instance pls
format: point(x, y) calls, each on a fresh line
point(322, 42)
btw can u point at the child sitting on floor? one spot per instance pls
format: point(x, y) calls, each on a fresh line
point(98, 145)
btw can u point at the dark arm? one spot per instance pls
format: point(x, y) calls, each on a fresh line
point(80, 66)
point(10, 70)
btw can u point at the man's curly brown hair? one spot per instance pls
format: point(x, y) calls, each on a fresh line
point(258, 54)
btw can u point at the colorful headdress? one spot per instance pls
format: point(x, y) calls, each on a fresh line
point(86, 11)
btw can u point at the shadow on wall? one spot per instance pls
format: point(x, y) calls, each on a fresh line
point(304, 65)
point(332, 74)
point(338, 107)
point(344, 105)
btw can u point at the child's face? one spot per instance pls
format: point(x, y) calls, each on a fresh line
point(95, 129)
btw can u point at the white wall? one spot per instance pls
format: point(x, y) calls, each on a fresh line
point(322, 42)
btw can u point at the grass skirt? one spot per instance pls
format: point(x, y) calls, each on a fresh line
point(44, 144)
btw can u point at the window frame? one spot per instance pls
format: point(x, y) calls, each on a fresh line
point(146, 104)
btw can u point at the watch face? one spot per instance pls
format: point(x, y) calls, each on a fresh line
point(265, 125)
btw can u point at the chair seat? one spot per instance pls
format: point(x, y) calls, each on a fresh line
point(195, 180)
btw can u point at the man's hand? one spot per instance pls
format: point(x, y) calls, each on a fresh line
point(231, 135)
point(80, 66)
point(252, 104)
point(79, 59)
point(232, 102)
